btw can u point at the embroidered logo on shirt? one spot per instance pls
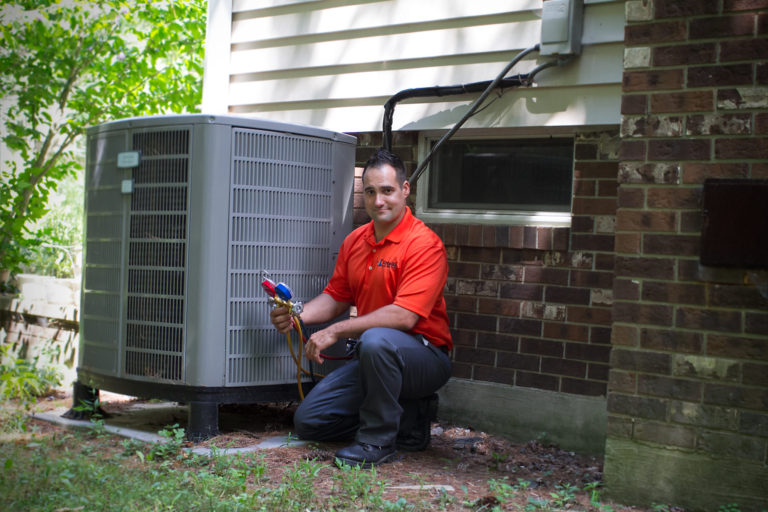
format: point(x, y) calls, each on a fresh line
point(388, 264)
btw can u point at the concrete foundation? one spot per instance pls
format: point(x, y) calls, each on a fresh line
point(573, 422)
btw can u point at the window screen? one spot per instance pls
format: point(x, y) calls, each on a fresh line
point(509, 175)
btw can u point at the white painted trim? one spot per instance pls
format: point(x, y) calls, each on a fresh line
point(217, 56)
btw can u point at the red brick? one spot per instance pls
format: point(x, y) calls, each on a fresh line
point(476, 322)
point(466, 304)
point(524, 326)
point(649, 314)
point(522, 291)
point(708, 76)
point(641, 361)
point(756, 323)
point(546, 275)
point(595, 170)
point(690, 101)
point(515, 236)
point(594, 206)
point(541, 347)
point(654, 268)
point(674, 293)
point(654, 33)
point(622, 381)
point(563, 367)
point(605, 262)
point(719, 124)
point(600, 335)
point(675, 197)
point(607, 188)
point(632, 150)
point(696, 173)
point(626, 289)
point(737, 296)
point(583, 387)
point(735, 347)
point(480, 255)
point(690, 222)
point(592, 243)
point(637, 407)
point(585, 151)
point(736, 396)
point(761, 74)
point(639, 220)
point(467, 270)
point(744, 5)
point(673, 245)
point(560, 238)
point(628, 243)
point(475, 236)
point(500, 307)
point(584, 187)
point(761, 123)
point(722, 26)
point(684, 54)
point(563, 331)
point(461, 370)
point(661, 173)
point(753, 49)
point(635, 81)
point(496, 341)
point(592, 279)
point(634, 104)
point(684, 8)
point(631, 197)
point(762, 24)
point(708, 319)
point(752, 148)
point(668, 387)
point(582, 224)
point(566, 295)
point(586, 352)
point(589, 315)
point(679, 149)
point(518, 361)
point(624, 335)
point(473, 355)
point(760, 171)
point(502, 272)
point(686, 342)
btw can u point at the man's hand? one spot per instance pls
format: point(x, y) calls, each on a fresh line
point(318, 342)
point(281, 319)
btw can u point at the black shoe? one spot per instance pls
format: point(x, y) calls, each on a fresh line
point(416, 423)
point(365, 455)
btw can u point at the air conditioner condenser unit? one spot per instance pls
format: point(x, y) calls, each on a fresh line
point(183, 213)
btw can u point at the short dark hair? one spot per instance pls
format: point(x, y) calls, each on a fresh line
point(384, 157)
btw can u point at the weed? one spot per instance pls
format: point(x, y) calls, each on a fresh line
point(170, 446)
point(502, 490)
point(564, 494)
point(730, 507)
point(23, 379)
point(593, 490)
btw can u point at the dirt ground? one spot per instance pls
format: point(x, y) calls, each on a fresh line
point(459, 461)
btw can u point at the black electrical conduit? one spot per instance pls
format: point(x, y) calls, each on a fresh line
point(486, 87)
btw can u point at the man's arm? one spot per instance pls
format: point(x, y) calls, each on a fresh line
point(322, 308)
point(391, 316)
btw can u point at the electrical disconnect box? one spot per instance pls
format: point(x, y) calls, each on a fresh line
point(561, 26)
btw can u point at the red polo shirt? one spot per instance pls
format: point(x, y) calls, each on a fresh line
point(407, 268)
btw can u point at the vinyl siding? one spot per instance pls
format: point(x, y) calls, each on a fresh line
point(334, 63)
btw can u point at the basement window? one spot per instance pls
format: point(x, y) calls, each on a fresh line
point(524, 181)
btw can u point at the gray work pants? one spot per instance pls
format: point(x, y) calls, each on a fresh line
point(362, 396)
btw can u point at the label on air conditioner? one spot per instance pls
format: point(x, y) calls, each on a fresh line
point(128, 159)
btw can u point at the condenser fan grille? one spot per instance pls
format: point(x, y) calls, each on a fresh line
point(157, 247)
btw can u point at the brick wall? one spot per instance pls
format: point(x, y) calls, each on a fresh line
point(531, 306)
point(689, 368)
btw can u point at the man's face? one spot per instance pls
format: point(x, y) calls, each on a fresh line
point(384, 196)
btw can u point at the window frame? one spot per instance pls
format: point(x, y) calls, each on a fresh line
point(490, 217)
